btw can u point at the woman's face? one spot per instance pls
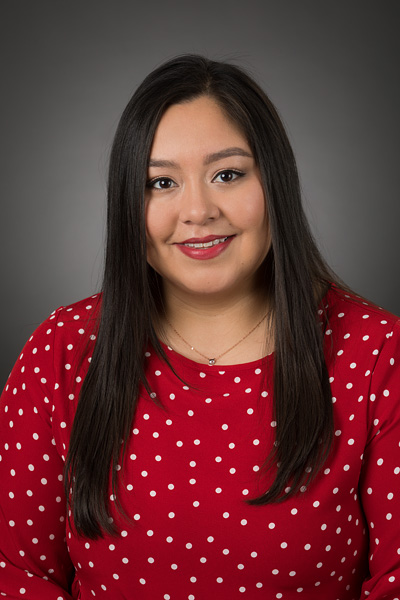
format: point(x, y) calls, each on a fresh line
point(207, 230)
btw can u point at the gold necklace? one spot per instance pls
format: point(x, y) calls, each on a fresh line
point(213, 361)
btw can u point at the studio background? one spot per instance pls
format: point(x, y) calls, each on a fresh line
point(68, 70)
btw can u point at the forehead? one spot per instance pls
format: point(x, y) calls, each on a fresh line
point(199, 125)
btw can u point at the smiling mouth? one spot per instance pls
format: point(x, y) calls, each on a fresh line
point(207, 244)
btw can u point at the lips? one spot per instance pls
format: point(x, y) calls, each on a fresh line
point(206, 241)
point(206, 247)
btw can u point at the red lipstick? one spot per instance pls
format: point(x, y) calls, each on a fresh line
point(206, 247)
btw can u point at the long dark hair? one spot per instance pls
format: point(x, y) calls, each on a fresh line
point(131, 295)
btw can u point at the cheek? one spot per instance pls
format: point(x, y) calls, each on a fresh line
point(255, 217)
point(253, 212)
point(155, 224)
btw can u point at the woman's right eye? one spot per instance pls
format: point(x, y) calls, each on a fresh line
point(161, 183)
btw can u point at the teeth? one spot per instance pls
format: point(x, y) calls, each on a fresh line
point(207, 244)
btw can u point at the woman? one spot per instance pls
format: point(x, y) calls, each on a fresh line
point(237, 431)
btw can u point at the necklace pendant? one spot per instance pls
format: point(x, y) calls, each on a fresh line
point(212, 361)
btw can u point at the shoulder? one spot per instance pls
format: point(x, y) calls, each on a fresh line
point(59, 346)
point(84, 310)
point(353, 316)
point(66, 331)
point(359, 336)
point(74, 330)
point(73, 320)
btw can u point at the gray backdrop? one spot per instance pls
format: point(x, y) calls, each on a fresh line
point(69, 68)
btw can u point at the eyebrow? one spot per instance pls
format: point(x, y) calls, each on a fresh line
point(208, 159)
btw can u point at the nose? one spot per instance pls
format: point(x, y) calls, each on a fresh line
point(198, 205)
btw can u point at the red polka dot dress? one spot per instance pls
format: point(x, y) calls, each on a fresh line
point(190, 468)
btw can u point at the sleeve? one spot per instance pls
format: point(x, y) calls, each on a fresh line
point(34, 560)
point(380, 476)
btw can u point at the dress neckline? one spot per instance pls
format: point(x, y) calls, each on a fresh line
point(179, 360)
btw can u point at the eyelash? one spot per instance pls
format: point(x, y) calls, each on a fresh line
point(151, 183)
point(234, 171)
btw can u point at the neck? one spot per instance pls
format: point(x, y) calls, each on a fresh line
point(233, 328)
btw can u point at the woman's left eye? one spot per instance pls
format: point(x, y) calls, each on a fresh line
point(227, 176)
